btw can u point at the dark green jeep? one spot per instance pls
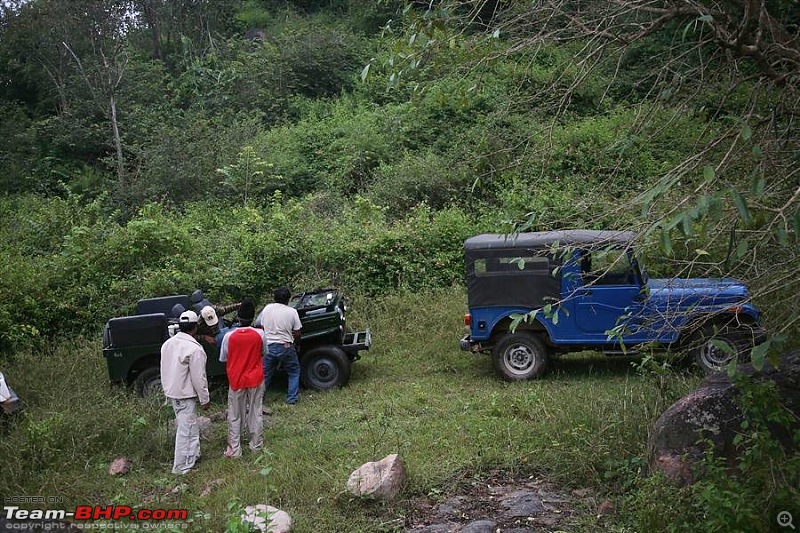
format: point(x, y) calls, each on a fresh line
point(132, 344)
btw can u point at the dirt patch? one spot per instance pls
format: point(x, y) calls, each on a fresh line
point(498, 501)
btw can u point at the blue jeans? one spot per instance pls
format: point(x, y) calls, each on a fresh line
point(279, 354)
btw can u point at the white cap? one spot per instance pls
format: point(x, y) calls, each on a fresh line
point(188, 316)
point(209, 315)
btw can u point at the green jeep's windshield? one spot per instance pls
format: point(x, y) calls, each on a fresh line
point(313, 299)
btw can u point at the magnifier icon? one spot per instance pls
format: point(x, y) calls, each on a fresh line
point(785, 519)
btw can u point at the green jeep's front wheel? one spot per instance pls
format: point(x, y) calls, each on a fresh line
point(519, 356)
point(326, 367)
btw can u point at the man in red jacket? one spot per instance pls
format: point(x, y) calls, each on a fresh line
point(242, 351)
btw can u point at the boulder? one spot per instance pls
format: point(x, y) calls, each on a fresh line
point(480, 526)
point(711, 412)
point(267, 518)
point(120, 466)
point(523, 503)
point(380, 479)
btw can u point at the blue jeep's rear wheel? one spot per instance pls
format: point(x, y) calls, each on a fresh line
point(519, 356)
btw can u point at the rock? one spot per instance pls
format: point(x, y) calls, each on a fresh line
point(120, 466)
point(211, 486)
point(605, 508)
point(711, 411)
point(479, 526)
point(452, 507)
point(544, 521)
point(267, 518)
point(180, 488)
point(523, 503)
point(435, 528)
point(381, 479)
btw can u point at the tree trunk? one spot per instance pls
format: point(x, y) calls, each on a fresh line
point(117, 142)
point(151, 16)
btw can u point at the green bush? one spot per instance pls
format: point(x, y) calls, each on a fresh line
point(96, 268)
point(416, 179)
point(320, 59)
point(18, 153)
point(339, 150)
point(178, 160)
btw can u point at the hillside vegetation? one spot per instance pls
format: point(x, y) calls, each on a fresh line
point(158, 146)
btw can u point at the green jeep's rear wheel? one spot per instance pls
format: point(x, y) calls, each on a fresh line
point(326, 367)
point(519, 356)
point(148, 383)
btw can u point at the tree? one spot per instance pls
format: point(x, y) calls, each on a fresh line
point(108, 22)
point(36, 62)
point(80, 47)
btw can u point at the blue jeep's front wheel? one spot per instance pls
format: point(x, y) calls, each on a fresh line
point(519, 356)
point(715, 346)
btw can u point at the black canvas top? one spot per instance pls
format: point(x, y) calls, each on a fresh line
point(543, 239)
point(496, 277)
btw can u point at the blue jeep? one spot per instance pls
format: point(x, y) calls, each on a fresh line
point(586, 290)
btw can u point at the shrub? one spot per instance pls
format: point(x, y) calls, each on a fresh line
point(425, 178)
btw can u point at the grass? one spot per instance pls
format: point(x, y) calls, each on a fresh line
point(415, 393)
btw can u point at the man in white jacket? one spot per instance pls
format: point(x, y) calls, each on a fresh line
point(183, 377)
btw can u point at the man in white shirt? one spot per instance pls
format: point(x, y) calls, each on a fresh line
point(282, 330)
point(183, 377)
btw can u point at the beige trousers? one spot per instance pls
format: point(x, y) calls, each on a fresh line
point(187, 435)
point(244, 412)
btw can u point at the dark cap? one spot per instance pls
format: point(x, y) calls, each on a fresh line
point(247, 311)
